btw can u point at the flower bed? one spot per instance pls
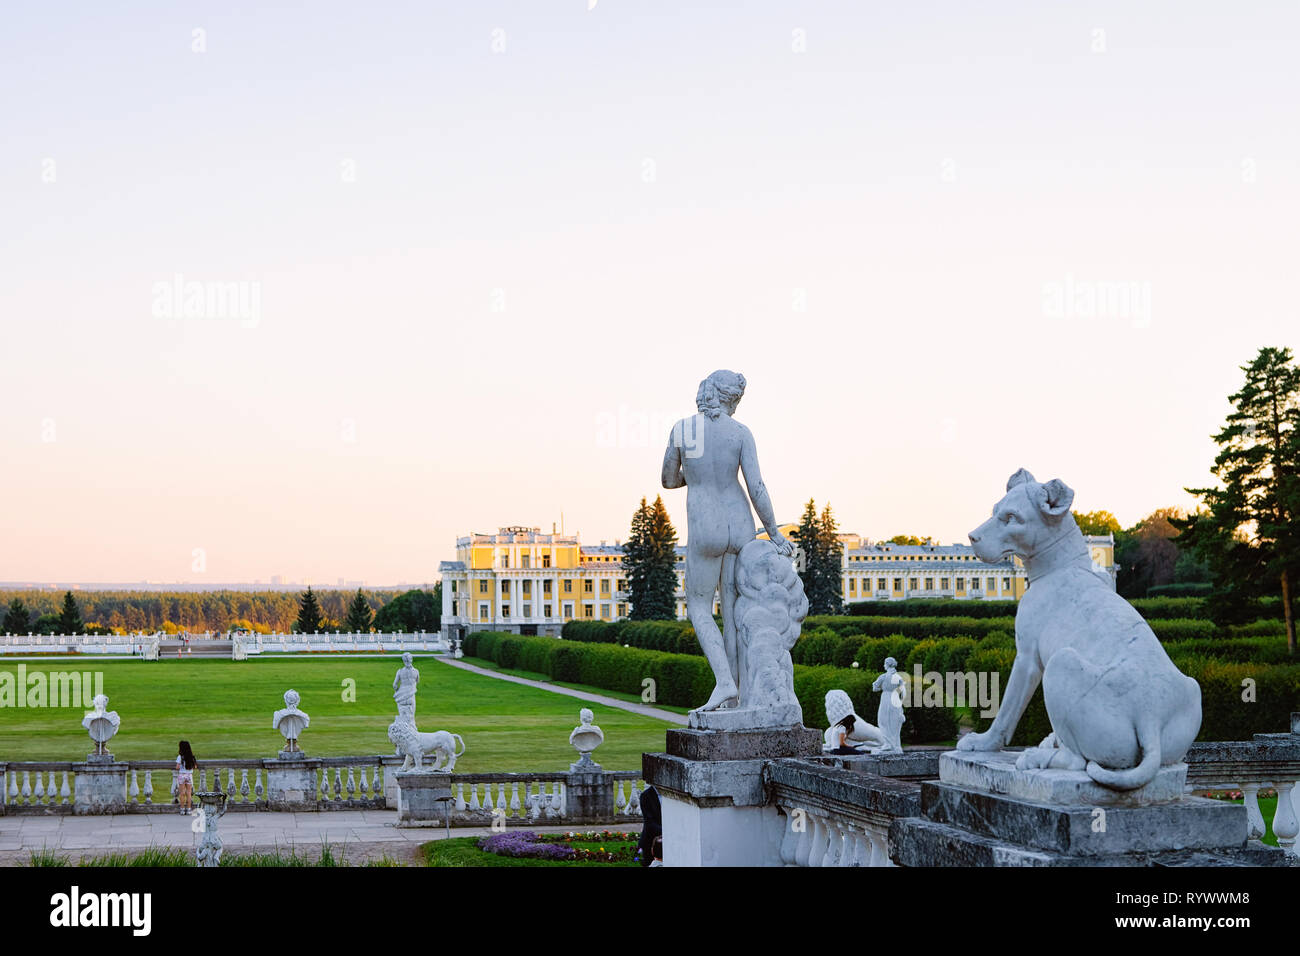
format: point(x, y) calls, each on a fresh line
point(605, 846)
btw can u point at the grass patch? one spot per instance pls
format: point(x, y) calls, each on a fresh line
point(47, 857)
point(224, 709)
point(153, 856)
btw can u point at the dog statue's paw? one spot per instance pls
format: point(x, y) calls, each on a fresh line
point(985, 741)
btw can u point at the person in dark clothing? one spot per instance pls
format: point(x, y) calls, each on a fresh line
point(652, 825)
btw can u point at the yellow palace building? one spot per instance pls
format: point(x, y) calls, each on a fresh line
point(523, 581)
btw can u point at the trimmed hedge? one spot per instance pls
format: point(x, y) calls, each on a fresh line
point(681, 680)
point(932, 607)
point(1225, 715)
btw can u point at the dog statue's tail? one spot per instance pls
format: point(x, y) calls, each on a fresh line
point(462, 744)
point(1143, 773)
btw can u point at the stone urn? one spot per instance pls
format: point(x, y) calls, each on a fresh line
point(212, 807)
point(585, 738)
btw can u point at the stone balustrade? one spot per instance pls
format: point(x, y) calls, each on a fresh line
point(131, 644)
point(341, 783)
point(837, 811)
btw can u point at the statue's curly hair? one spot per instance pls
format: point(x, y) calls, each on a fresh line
point(720, 392)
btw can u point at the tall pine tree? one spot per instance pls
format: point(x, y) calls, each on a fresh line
point(359, 614)
point(1249, 530)
point(70, 621)
point(830, 556)
point(309, 614)
point(650, 560)
point(18, 620)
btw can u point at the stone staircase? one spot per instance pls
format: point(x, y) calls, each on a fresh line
point(199, 647)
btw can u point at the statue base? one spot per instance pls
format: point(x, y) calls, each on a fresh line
point(291, 781)
point(423, 797)
point(712, 796)
point(984, 812)
point(99, 786)
point(995, 772)
point(746, 718)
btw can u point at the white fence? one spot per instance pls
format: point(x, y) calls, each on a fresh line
point(136, 644)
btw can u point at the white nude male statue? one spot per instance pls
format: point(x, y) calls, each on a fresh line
point(705, 453)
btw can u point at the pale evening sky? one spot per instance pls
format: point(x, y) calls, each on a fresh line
point(484, 244)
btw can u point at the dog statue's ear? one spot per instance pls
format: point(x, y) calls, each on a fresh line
point(1019, 478)
point(1057, 498)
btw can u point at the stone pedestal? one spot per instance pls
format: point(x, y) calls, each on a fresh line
point(588, 796)
point(100, 786)
point(423, 797)
point(985, 812)
point(712, 796)
point(291, 781)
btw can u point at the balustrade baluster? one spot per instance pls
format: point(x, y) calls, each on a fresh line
point(620, 801)
point(514, 798)
point(376, 787)
point(13, 785)
point(352, 783)
point(257, 785)
point(803, 846)
point(230, 784)
point(1285, 825)
point(324, 783)
point(338, 783)
point(789, 838)
point(501, 795)
point(203, 779)
point(487, 797)
point(243, 785)
point(39, 793)
point(133, 792)
point(634, 802)
point(364, 784)
point(148, 787)
point(175, 788)
point(835, 849)
point(460, 797)
point(1254, 818)
point(65, 791)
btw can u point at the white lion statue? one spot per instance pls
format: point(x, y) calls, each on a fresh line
point(414, 745)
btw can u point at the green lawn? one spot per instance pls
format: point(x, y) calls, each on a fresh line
point(224, 709)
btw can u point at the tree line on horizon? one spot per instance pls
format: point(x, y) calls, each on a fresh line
point(127, 612)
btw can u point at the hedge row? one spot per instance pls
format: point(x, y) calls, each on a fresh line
point(673, 637)
point(680, 680)
point(685, 680)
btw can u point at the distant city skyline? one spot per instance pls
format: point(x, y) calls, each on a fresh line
point(312, 293)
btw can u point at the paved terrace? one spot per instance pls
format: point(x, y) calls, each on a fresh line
point(359, 835)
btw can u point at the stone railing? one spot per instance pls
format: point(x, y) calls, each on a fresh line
point(837, 811)
point(132, 644)
point(341, 783)
point(1269, 760)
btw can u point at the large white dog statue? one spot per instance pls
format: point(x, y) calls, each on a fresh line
point(1119, 707)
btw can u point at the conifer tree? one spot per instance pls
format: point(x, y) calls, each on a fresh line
point(309, 614)
point(70, 621)
point(359, 615)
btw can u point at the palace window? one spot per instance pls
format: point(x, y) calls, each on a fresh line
point(482, 612)
point(546, 587)
point(1006, 584)
point(943, 584)
point(587, 610)
point(882, 584)
point(505, 588)
point(898, 584)
point(528, 610)
point(604, 587)
point(525, 560)
point(505, 559)
point(546, 560)
point(929, 584)
point(528, 588)
point(587, 586)
point(546, 611)
point(568, 587)
point(505, 610)
point(483, 586)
